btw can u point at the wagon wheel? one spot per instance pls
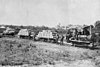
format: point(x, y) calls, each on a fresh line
point(42, 40)
point(73, 44)
point(55, 41)
point(93, 45)
point(52, 40)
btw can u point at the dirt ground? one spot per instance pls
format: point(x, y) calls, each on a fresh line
point(27, 53)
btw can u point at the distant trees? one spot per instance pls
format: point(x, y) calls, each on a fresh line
point(32, 28)
point(61, 29)
point(97, 24)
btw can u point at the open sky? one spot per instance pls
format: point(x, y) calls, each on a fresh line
point(49, 12)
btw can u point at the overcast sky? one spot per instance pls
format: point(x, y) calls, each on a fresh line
point(49, 12)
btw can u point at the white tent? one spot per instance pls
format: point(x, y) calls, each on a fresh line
point(2, 27)
point(23, 32)
point(9, 30)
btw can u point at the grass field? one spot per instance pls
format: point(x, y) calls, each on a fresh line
point(21, 52)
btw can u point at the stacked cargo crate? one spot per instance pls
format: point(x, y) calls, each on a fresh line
point(45, 34)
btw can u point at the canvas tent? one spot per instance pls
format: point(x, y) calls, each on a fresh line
point(2, 28)
point(23, 32)
point(9, 31)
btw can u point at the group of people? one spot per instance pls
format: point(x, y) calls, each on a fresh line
point(68, 35)
point(73, 34)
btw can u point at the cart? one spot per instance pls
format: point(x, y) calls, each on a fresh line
point(85, 42)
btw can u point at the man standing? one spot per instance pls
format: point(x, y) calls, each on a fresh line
point(68, 35)
point(75, 34)
point(61, 40)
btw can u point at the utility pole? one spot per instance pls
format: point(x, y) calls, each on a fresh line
point(90, 30)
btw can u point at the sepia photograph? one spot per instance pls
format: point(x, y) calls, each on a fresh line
point(49, 33)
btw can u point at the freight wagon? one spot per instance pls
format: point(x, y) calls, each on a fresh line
point(47, 35)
